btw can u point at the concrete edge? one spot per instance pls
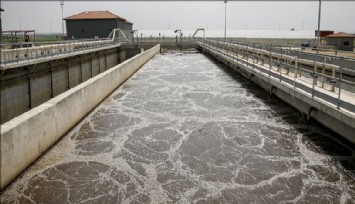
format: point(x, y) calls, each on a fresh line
point(25, 138)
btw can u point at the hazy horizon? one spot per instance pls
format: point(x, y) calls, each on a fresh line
point(45, 16)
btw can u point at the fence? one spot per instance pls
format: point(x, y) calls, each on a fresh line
point(319, 78)
point(16, 53)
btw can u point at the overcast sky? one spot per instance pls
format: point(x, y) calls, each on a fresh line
point(44, 16)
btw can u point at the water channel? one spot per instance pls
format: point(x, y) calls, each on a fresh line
point(186, 129)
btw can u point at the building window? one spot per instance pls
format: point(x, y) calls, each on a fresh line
point(346, 43)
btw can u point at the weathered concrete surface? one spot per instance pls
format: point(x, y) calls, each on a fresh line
point(28, 136)
point(187, 129)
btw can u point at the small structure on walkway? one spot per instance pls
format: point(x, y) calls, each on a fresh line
point(341, 41)
point(91, 24)
point(16, 35)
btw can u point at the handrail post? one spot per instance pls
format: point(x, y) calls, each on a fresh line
point(333, 84)
point(287, 69)
point(233, 52)
point(323, 71)
point(247, 55)
point(315, 69)
point(295, 74)
point(314, 74)
point(280, 65)
point(340, 80)
point(270, 62)
point(237, 48)
point(253, 56)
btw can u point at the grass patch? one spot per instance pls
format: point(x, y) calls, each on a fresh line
point(39, 38)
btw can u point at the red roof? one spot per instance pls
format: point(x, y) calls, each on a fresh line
point(94, 15)
point(341, 35)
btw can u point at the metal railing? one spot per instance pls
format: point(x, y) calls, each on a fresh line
point(286, 66)
point(347, 62)
point(24, 52)
point(165, 40)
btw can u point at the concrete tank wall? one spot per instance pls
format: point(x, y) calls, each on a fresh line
point(28, 136)
point(25, 87)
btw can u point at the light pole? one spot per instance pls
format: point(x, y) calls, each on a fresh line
point(225, 20)
point(318, 32)
point(62, 4)
point(50, 27)
point(21, 23)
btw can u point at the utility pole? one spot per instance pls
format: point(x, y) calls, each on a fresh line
point(318, 32)
point(50, 27)
point(62, 4)
point(21, 23)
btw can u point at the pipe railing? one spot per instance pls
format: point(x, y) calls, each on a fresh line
point(285, 69)
point(23, 52)
point(168, 40)
point(349, 62)
point(293, 51)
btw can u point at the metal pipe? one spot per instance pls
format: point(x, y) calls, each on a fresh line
point(280, 65)
point(323, 72)
point(295, 74)
point(81, 70)
point(68, 74)
point(51, 71)
point(253, 57)
point(270, 62)
point(311, 109)
point(99, 59)
point(105, 60)
point(313, 76)
point(91, 67)
point(340, 82)
point(29, 88)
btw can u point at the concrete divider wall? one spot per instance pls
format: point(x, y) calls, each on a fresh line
point(26, 137)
